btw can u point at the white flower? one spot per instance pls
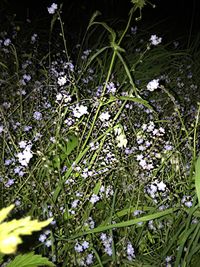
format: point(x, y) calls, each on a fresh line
point(7, 42)
point(94, 198)
point(161, 186)
point(37, 115)
point(89, 259)
point(111, 88)
point(155, 40)
point(52, 8)
point(59, 97)
point(130, 250)
point(143, 163)
point(85, 244)
point(26, 77)
point(34, 38)
point(75, 203)
point(152, 85)
point(78, 248)
point(25, 156)
point(122, 141)
point(168, 258)
point(188, 204)
point(117, 131)
point(104, 116)
point(151, 127)
point(42, 238)
point(1, 128)
point(139, 157)
point(62, 80)
point(80, 111)
point(48, 243)
point(22, 144)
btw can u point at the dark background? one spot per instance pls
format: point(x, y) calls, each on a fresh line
point(174, 17)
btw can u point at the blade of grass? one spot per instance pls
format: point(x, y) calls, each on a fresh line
point(197, 178)
point(127, 223)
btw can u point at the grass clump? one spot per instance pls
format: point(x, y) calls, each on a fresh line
point(104, 139)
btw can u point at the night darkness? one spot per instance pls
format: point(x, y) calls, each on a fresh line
point(174, 17)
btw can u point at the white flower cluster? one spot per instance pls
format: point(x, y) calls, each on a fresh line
point(62, 80)
point(24, 156)
point(155, 40)
point(120, 137)
point(130, 252)
point(107, 243)
point(105, 116)
point(63, 97)
point(153, 188)
point(79, 111)
point(81, 247)
point(52, 9)
point(153, 85)
point(7, 42)
point(94, 198)
point(37, 115)
point(187, 201)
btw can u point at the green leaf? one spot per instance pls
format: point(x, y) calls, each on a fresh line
point(96, 14)
point(197, 178)
point(1, 258)
point(137, 100)
point(139, 3)
point(90, 205)
point(72, 143)
point(128, 223)
point(30, 260)
point(3, 65)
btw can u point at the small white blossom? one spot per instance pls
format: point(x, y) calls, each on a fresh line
point(7, 42)
point(42, 238)
point(80, 111)
point(1, 129)
point(59, 97)
point(52, 8)
point(34, 38)
point(161, 186)
point(130, 251)
point(105, 116)
point(94, 198)
point(188, 204)
point(22, 144)
point(85, 244)
point(78, 248)
point(153, 85)
point(62, 80)
point(37, 115)
point(25, 156)
point(155, 40)
point(111, 88)
point(89, 259)
point(26, 77)
point(122, 141)
point(48, 243)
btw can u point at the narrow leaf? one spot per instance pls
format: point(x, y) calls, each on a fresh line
point(197, 178)
point(127, 223)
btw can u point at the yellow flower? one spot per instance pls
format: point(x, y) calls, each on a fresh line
point(10, 231)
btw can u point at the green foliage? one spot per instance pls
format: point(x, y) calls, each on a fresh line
point(119, 177)
point(197, 178)
point(30, 260)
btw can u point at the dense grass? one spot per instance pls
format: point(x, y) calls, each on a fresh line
point(86, 140)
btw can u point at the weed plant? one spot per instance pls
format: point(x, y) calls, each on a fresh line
point(103, 137)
